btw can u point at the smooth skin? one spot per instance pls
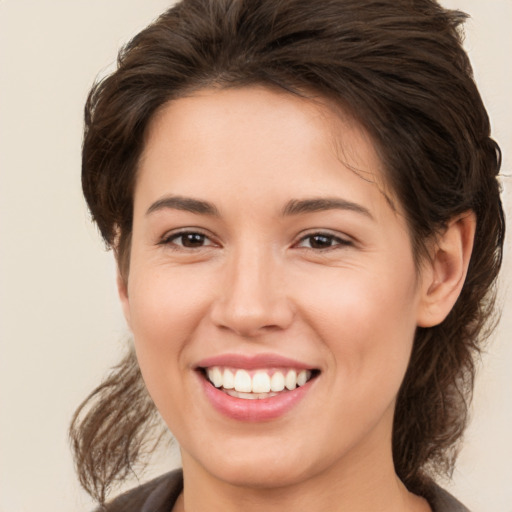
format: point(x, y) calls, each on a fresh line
point(222, 262)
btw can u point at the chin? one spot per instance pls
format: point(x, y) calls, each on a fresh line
point(265, 474)
point(264, 462)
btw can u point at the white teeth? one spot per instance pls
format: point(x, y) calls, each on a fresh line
point(215, 375)
point(261, 383)
point(229, 380)
point(291, 380)
point(302, 378)
point(239, 383)
point(243, 381)
point(277, 382)
point(250, 396)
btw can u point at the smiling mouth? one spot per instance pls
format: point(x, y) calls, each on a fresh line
point(259, 383)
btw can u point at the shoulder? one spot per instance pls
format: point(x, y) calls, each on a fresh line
point(442, 501)
point(158, 495)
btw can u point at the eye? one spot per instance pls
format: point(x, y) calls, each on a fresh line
point(319, 241)
point(187, 240)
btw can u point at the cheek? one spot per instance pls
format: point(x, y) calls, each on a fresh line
point(366, 322)
point(166, 308)
point(165, 304)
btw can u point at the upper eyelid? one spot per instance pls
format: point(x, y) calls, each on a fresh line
point(169, 235)
point(325, 232)
point(337, 242)
point(340, 245)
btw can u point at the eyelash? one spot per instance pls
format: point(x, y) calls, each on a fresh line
point(170, 240)
point(333, 240)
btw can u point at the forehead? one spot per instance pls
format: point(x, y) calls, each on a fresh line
point(212, 136)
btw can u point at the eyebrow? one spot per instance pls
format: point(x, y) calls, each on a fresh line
point(293, 207)
point(187, 204)
point(298, 206)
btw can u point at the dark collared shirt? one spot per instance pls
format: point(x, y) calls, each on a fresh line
point(160, 495)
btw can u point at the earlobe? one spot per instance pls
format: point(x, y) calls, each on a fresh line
point(444, 274)
point(122, 290)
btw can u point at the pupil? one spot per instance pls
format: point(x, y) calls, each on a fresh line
point(320, 241)
point(193, 240)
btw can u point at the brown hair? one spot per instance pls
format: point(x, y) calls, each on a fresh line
point(398, 67)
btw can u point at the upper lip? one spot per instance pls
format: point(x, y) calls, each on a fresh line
point(253, 362)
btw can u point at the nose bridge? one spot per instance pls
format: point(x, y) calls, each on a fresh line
point(252, 296)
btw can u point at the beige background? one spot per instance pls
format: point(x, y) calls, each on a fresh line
point(60, 324)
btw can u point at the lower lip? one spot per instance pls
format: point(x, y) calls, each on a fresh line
point(261, 409)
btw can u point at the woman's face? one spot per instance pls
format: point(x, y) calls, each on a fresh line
point(266, 255)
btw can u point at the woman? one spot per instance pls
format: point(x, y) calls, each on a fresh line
point(302, 200)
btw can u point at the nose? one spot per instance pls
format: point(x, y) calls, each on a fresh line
point(252, 299)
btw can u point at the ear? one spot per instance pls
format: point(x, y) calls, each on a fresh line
point(444, 274)
point(122, 290)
